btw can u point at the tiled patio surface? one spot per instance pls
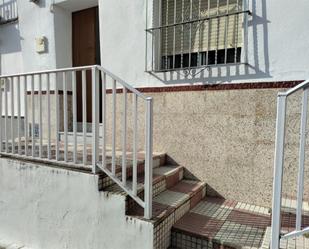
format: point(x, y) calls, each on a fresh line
point(218, 223)
point(79, 165)
point(215, 222)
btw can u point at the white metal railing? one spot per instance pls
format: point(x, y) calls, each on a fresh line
point(46, 103)
point(279, 165)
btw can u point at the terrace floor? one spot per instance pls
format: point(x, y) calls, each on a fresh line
point(226, 224)
point(79, 164)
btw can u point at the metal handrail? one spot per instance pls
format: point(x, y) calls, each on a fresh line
point(48, 71)
point(123, 83)
point(295, 89)
point(33, 147)
point(279, 165)
point(146, 203)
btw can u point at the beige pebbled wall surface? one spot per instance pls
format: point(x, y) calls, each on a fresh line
point(225, 138)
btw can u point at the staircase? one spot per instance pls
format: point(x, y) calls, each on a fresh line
point(180, 212)
point(184, 217)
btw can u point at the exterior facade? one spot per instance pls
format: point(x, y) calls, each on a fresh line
point(212, 68)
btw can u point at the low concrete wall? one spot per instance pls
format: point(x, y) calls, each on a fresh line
point(225, 138)
point(44, 207)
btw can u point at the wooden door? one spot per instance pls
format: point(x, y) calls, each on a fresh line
point(86, 51)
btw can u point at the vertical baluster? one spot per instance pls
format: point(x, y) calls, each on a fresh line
point(40, 118)
point(48, 117)
point(182, 31)
point(124, 138)
point(278, 172)
point(1, 116)
point(104, 120)
point(114, 129)
point(166, 34)
point(148, 158)
point(26, 114)
point(218, 27)
point(57, 117)
point(198, 29)
point(190, 34)
point(12, 115)
point(95, 119)
point(74, 116)
point(208, 31)
point(32, 116)
point(135, 141)
point(84, 116)
point(65, 116)
point(159, 66)
point(18, 116)
point(174, 38)
point(245, 31)
point(226, 30)
point(301, 167)
point(152, 49)
point(236, 35)
point(6, 115)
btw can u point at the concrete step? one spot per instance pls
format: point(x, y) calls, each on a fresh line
point(217, 223)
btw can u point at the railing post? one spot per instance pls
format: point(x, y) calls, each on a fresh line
point(1, 117)
point(278, 170)
point(148, 159)
point(302, 147)
point(95, 119)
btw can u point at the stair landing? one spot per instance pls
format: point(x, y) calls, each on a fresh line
point(218, 223)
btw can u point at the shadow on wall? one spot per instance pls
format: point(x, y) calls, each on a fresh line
point(211, 192)
point(258, 61)
point(10, 39)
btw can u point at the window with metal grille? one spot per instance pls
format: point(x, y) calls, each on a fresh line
point(8, 11)
point(197, 33)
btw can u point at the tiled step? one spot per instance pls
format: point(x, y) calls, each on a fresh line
point(173, 196)
point(159, 160)
point(216, 223)
point(171, 205)
point(163, 178)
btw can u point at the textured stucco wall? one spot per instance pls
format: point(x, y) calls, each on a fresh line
point(42, 207)
point(225, 138)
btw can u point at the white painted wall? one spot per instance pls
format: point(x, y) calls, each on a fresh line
point(277, 44)
point(63, 36)
point(277, 49)
point(36, 20)
point(43, 207)
point(75, 5)
point(48, 18)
